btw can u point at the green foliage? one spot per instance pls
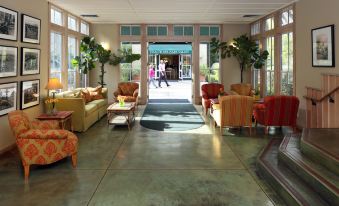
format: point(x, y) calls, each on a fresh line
point(124, 55)
point(245, 50)
point(87, 58)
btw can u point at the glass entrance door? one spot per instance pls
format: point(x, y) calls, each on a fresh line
point(185, 68)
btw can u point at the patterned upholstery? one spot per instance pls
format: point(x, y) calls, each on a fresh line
point(235, 111)
point(41, 142)
point(128, 90)
point(208, 92)
point(242, 89)
point(277, 111)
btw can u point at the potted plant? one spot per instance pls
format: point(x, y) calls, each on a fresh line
point(245, 50)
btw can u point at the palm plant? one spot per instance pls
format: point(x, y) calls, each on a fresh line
point(245, 50)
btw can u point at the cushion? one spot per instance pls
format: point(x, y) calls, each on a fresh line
point(99, 102)
point(96, 93)
point(90, 108)
point(69, 94)
point(85, 94)
point(216, 107)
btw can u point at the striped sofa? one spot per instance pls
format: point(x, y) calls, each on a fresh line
point(277, 111)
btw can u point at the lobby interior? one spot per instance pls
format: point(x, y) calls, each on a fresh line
point(173, 154)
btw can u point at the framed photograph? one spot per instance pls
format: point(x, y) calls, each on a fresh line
point(8, 97)
point(30, 93)
point(8, 61)
point(30, 29)
point(8, 24)
point(323, 44)
point(30, 61)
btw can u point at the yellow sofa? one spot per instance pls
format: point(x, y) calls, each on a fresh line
point(84, 114)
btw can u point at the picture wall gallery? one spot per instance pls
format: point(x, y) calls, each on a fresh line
point(30, 60)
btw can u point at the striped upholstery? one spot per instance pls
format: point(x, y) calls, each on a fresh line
point(242, 89)
point(277, 111)
point(128, 90)
point(235, 110)
point(208, 92)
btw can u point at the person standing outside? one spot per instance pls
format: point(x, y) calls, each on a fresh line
point(151, 74)
point(162, 72)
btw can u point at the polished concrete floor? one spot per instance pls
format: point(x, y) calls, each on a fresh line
point(145, 167)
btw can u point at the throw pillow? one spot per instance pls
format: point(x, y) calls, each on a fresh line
point(96, 93)
point(85, 94)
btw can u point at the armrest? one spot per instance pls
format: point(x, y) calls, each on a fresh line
point(77, 105)
point(260, 107)
point(44, 134)
point(116, 93)
point(204, 94)
point(50, 124)
point(136, 93)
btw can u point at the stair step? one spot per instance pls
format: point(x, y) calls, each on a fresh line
point(287, 184)
point(321, 146)
point(318, 177)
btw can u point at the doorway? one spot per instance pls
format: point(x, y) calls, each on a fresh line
point(178, 66)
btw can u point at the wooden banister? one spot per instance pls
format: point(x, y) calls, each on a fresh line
point(324, 97)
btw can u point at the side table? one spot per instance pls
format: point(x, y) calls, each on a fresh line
point(62, 117)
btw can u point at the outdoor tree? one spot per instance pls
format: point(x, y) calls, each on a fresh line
point(245, 50)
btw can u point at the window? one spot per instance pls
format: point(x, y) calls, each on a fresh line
point(256, 74)
point(56, 55)
point(209, 30)
point(131, 71)
point(270, 66)
point(56, 16)
point(72, 52)
point(84, 28)
point(130, 30)
point(208, 64)
point(72, 23)
point(183, 30)
point(157, 30)
point(269, 24)
point(286, 64)
point(287, 17)
point(255, 29)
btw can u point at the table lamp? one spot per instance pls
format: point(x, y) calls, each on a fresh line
point(53, 84)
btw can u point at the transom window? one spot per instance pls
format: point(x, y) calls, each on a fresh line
point(56, 17)
point(72, 23)
point(130, 30)
point(157, 30)
point(84, 28)
point(269, 24)
point(287, 17)
point(209, 30)
point(255, 28)
point(180, 30)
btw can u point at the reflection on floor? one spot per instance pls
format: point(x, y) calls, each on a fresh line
point(146, 167)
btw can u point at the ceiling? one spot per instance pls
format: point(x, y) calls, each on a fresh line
point(171, 11)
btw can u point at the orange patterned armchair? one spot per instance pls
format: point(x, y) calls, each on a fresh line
point(128, 90)
point(208, 92)
point(277, 111)
point(234, 111)
point(242, 89)
point(41, 142)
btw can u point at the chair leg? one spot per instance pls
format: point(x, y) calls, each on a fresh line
point(26, 171)
point(74, 160)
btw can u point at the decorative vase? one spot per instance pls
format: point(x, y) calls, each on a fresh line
point(121, 103)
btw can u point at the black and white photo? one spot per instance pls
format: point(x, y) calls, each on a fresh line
point(8, 24)
point(30, 29)
point(323, 47)
point(8, 97)
point(30, 93)
point(30, 61)
point(8, 61)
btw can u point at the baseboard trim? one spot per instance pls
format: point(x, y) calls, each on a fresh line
point(8, 148)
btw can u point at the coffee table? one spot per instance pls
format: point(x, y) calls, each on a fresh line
point(62, 117)
point(121, 115)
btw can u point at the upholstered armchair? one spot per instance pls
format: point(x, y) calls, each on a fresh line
point(208, 92)
point(277, 111)
point(128, 90)
point(242, 89)
point(234, 111)
point(41, 142)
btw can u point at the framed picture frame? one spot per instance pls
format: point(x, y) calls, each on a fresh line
point(31, 29)
point(323, 54)
point(8, 24)
point(30, 61)
point(8, 61)
point(8, 97)
point(30, 93)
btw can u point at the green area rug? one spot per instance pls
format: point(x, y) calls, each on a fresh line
point(171, 115)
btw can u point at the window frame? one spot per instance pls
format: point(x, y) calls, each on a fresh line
point(69, 16)
point(157, 30)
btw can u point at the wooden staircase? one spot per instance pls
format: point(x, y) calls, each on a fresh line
point(322, 105)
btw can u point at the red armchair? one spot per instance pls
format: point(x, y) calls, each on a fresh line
point(208, 92)
point(41, 142)
point(277, 111)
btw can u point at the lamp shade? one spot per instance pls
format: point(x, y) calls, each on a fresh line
point(53, 84)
